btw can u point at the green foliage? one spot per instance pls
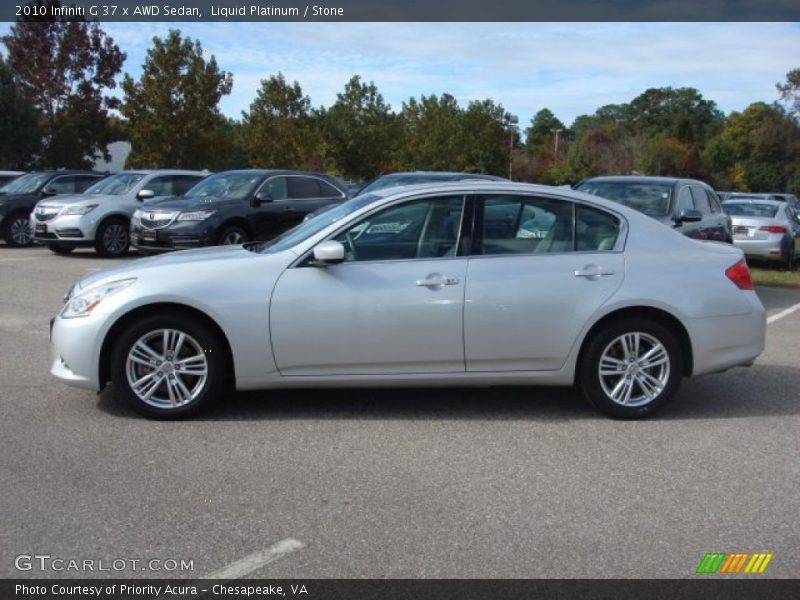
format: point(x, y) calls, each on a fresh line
point(361, 131)
point(542, 130)
point(20, 137)
point(280, 130)
point(664, 155)
point(790, 91)
point(66, 67)
point(172, 111)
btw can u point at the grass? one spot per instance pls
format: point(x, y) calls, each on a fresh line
point(775, 276)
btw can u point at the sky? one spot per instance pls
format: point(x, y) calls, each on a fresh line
point(570, 68)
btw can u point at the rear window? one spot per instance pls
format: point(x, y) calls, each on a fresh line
point(750, 209)
point(651, 199)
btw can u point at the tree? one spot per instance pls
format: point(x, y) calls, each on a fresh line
point(790, 91)
point(664, 155)
point(361, 131)
point(172, 111)
point(20, 137)
point(681, 113)
point(280, 131)
point(542, 130)
point(484, 138)
point(66, 67)
point(432, 134)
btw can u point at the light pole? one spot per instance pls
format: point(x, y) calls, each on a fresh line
point(555, 143)
point(511, 122)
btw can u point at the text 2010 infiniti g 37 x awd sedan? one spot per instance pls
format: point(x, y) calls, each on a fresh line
point(467, 283)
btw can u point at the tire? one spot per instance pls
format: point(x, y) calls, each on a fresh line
point(233, 234)
point(790, 258)
point(112, 238)
point(60, 249)
point(621, 393)
point(17, 231)
point(157, 398)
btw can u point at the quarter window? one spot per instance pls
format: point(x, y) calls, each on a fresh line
point(418, 229)
point(595, 230)
point(328, 191)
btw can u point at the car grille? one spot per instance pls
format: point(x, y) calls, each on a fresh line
point(157, 219)
point(46, 213)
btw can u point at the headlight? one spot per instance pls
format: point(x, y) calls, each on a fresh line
point(79, 210)
point(83, 304)
point(198, 215)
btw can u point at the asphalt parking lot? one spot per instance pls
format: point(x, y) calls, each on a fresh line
point(495, 483)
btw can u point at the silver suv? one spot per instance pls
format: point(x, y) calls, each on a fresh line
point(100, 217)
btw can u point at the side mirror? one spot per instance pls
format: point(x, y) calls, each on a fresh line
point(145, 195)
point(260, 198)
point(328, 253)
point(48, 192)
point(690, 215)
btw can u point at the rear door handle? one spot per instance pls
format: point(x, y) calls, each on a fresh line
point(436, 280)
point(593, 272)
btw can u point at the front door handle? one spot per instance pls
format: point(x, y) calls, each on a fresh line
point(436, 281)
point(593, 272)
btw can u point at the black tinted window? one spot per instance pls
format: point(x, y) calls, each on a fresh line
point(700, 199)
point(182, 183)
point(303, 187)
point(84, 181)
point(328, 191)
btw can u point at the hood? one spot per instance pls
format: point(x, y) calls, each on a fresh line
point(183, 204)
point(182, 258)
point(71, 199)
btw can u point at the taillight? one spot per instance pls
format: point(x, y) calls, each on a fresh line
point(773, 229)
point(739, 274)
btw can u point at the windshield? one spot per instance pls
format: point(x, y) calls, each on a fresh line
point(116, 185)
point(27, 184)
point(750, 209)
point(229, 186)
point(316, 224)
point(651, 199)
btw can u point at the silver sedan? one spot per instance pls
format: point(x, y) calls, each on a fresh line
point(765, 229)
point(468, 283)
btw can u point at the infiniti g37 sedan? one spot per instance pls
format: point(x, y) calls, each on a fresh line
point(467, 283)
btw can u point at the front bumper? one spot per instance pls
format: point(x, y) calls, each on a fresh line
point(177, 236)
point(70, 229)
point(75, 352)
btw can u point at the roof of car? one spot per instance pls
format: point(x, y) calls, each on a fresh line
point(642, 179)
point(753, 200)
point(68, 172)
point(164, 171)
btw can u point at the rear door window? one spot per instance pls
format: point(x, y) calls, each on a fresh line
point(303, 187)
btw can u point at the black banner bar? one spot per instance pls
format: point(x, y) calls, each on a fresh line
point(408, 10)
point(703, 587)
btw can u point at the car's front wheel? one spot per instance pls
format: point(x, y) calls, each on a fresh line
point(169, 365)
point(233, 234)
point(112, 238)
point(630, 368)
point(17, 231)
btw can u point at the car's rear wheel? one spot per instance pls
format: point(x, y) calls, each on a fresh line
point(233, 234)
point(60, 249)
point(630, 368)
point(17, 231)
point(790, 257)
point(112, 238)
point(169, 365)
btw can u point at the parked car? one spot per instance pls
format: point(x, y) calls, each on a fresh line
point(688, 205)
point(391, 180)
point(233, 207)
point(100, 217)
point(431, 285)
point(765, 229)
point(21, 195)
point(7, 176)
point(790, 199)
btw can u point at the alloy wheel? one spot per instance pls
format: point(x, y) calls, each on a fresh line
point(115, 238)
point(634, 369)
point(21, 231)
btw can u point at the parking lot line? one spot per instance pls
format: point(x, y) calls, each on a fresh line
point(783, 313)
point(255, 561)
point(21, 258)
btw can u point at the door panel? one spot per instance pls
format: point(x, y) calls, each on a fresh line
point(524, 312)
point(370, 318)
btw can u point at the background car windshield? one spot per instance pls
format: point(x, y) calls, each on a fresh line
point(230, 186)
point(313, 226)
point(116, 185)
point(27, 184)
point(651, 199)
point(750, 209)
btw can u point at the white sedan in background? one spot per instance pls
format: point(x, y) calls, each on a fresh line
point(466, 283)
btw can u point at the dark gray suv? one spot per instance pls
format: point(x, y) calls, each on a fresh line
point(690, 206)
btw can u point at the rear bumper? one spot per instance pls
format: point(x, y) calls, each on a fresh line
point(769, 249)
point(720, 343)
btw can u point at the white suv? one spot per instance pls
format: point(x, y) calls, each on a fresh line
point(100, 217)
